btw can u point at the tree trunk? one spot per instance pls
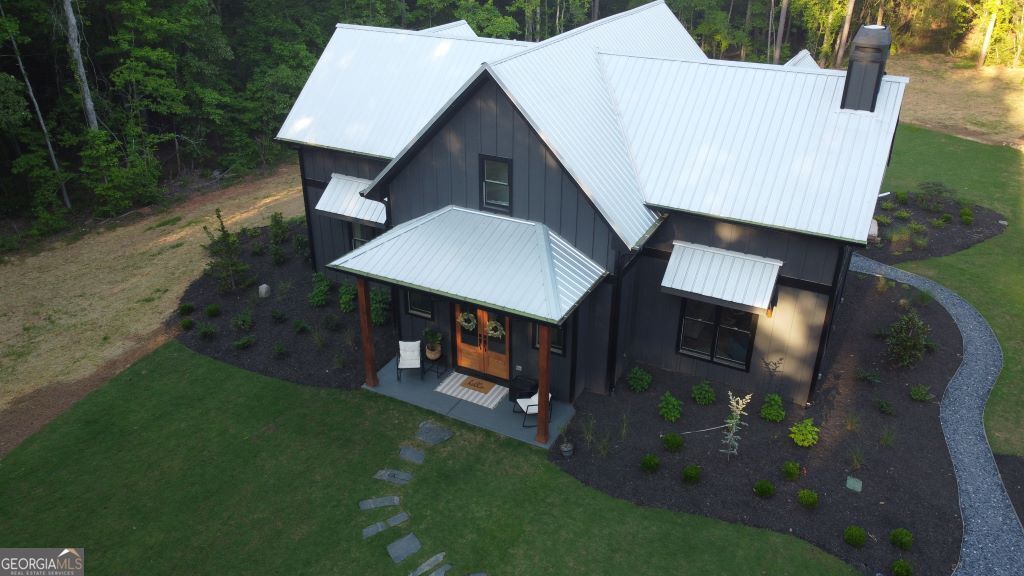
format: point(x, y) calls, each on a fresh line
point(845, 36)
point(39, 115)
point(988, 38)
point(746, 28)
point(595, 10)
point(778, 31)
point(75, 47)
point(881, 8)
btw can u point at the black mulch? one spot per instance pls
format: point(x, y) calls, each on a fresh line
point(908, 484)
point(328, 356)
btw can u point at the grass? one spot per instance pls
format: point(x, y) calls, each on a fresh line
point(237, 473)
point(990, 275)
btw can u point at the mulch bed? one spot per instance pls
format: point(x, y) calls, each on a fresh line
point(908, 484)
point(328, 356)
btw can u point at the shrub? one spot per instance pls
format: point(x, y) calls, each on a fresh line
point(670, 407)
point(673, 442)
point(886, 408)
point(301, 244)
point(883, 219)
point(942, 221)
point(901, 538)
point(902, 214)
point(212, 311)
point(888, 205)
point(887, 438)
point(804, 433)
point(243, 321)
point(869, 376)
point(650, 463)
point(278, 229)
point(901, 568)
point(703, 394)
point(187, 323)
point(258, 250)
point(807, 498)
point(921, 393)
point(966, 216)
point(790, 470)
point(332, 323)
point(207, 331)
point(380, 306)
point(764, 488)
point(920, 242)
point(225, 262)
point(186, 308)
point(279, 351)
point(300, 327)
point(347, 295)
point(277, 255)
point(932, 195)
point(244, 342)
point(771, 409)
point(318, 295)
point(855, 536)
point(907, 339)
point(691, 474)
point(916, 228)
point(901, 196)
point(278, 317)
point(639, 379)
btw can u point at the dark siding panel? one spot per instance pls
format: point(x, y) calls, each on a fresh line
point(321, 163)
point(593, 332)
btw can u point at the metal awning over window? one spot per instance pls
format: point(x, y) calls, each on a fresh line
point(341, 199)
point(494, 261)
point(733, 279)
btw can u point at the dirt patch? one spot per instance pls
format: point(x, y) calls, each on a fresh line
point(985, 105)
point(74, 307)
point(902, 458)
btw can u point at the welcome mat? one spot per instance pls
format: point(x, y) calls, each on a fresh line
point(456, 386)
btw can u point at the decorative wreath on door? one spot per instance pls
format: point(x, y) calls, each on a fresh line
point(468, 321)
point(495, 330)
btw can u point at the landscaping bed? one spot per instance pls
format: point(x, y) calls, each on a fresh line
point(901, 458)
point(929, 222)
point(283, 336)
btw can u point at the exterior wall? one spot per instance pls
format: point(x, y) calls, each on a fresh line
point(793, 333)
point(446, 171)
point(593, 333)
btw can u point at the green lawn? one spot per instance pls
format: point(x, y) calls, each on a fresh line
point(185, 465)
point(990, 275)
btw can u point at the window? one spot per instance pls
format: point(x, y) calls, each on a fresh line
point(419, 304)
point(495, 184)
point(361, 234)
point(716, 333)
point(557, 338)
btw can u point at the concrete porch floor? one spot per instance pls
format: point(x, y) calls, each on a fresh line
point(501, 420)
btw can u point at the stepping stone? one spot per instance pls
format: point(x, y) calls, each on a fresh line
point(854, 484)
point(410, 454)
point(396, 477)
point(397, 519)
point(432, 434)
point(442, 570)
point(378, 502)
point(374, 529)
point(428, 565)
point(404, 547)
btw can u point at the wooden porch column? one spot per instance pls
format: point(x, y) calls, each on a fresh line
point(366, 328)
point(544, 384)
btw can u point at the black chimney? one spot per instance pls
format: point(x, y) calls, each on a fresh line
point(867, 66)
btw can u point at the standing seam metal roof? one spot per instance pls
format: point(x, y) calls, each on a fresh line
point(457, 29)
point(721, 275)
point(803, 59)
point(342, 198)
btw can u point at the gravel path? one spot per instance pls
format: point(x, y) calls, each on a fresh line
point(993, 536)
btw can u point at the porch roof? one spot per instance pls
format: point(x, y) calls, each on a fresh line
point(721, 276)
point(341, 198)
point(495, 261)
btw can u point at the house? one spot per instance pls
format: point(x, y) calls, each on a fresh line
point(608, 196)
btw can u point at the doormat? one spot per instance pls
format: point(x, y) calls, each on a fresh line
point(478, 385)
point(453, 386)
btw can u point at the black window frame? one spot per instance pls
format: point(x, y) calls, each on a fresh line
point(417, 312)
point(553, 331)
point(712, 356)
point(352, 234)
point(484, 158)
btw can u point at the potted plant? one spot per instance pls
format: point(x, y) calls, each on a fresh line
point(566, 446)
point(433, 339)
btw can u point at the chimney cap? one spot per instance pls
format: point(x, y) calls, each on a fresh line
point(873, 36)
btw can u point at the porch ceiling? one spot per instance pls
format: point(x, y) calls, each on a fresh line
point(721, 276)
point(495, 261)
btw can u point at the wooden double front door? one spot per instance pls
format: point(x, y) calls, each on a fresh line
point(475, 349)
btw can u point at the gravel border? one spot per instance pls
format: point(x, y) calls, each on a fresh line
point(993, 536)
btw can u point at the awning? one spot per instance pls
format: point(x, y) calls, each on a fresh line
point(341, 199)
point(734, 279)
point(494, 261)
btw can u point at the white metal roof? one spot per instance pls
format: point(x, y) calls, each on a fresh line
point(755, 143)
point(719, 275)
point(803, 59)
point(557, 85)
point(495, 261)
point(457, 29)
point(341, 198)
point(374, 88)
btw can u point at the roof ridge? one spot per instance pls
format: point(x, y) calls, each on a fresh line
point(422, 34)
point(576, 31)
point(544, 239)
point(348, 177)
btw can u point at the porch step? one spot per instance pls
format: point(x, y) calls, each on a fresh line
point(442, 570)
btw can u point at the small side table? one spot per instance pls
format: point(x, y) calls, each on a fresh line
point(439, 367)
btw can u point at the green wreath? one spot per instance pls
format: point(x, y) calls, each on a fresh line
point(468, 321)
point(495, 329)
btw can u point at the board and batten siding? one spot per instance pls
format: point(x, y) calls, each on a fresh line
point(446, 170)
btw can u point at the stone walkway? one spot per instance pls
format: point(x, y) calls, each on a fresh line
point(993, 541)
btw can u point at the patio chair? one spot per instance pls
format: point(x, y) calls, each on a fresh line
point(530, 406)
point(409, 358)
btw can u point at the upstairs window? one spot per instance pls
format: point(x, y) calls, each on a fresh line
point(496, 184)
point(717, 334)
point(361, 234)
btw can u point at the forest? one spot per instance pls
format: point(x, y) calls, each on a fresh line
point(104, 104)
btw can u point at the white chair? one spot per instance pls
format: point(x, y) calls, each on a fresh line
point(530, 407)
point(409, 357)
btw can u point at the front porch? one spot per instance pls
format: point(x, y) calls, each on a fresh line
point(500, 420)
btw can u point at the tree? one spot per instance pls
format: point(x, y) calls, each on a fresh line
point(777, 55)
point(75, 48)
point(845, 36)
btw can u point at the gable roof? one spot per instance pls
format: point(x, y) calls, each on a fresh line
point(755, 143)
point(803, 59)
point(457, 29)
point(374, 88)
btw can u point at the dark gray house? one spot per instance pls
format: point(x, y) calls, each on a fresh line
point(605, 197)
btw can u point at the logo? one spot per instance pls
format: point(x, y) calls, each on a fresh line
point(42, 561)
